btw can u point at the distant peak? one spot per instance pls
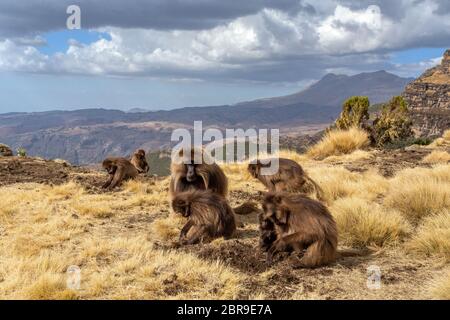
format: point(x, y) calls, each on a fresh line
point(332, 76)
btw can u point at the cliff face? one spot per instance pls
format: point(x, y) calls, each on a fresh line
point(428, 98)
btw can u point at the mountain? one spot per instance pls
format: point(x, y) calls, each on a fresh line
point(428, 98)
point(87, 136)
point(333, 90)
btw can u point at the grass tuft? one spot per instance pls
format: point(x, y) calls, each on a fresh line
point(339, 142)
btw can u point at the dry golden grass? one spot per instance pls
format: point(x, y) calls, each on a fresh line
point(442, 141)
point(338, 142)
point(363, 223)
point(48, 232)
point(168, 229)
point(437, 157)
point(418, 193)
point(432, 237)
point(338, 182)
point(446, 135)
point(122, 240)
point(439, 288)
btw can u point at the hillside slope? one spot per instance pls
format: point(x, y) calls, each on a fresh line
point(87, 136)
point(428, 98)
point(333, 90)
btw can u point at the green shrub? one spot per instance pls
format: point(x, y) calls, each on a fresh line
point(21, 152)
point(393, 124)
point(355, 113)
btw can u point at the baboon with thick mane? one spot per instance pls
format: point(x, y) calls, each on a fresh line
point(209, 216)
point(138, 160)
point(189, 175)
point(119, 169)
point(290, 177)
point(303, 225)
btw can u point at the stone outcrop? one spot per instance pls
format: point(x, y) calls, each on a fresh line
point(428, 99)
point(5, 151)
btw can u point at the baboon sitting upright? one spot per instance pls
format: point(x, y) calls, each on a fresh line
point(290, 177)
point(189, 175)
point(119, 169)
point(138, 160)
point(303, 225)
point(209, 216)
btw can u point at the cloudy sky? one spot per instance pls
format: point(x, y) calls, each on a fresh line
point(161, 54)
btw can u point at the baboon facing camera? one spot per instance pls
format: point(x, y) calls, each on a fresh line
point(189, 175)
point(138, 160)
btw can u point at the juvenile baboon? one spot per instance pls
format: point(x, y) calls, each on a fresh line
point(119, 169)
point(209, 216)
point(267, 234)
point(138, 160)
point(290, 177)
point(303, 225)
point(192, 176)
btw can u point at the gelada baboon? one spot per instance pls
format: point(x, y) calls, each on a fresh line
point(290, 177)
point(303, 225)
point(119, 169)
point(267, 234)
point(209, 216)
point(138, 160)
point(189, 175)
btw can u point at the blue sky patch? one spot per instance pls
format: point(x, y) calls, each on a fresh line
point(416, 55)
point(57, 41)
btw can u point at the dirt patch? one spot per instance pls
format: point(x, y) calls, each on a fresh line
point(388, 162)
point(21, 170)
point(239, 254)
point(36, 170)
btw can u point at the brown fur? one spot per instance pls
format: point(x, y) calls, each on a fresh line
point(303, 225)
point(267, 234)
point(246, 208)
point(209, 216)
point(206, 177)
point(138, 160)
point(290, 178)
point(119, 169)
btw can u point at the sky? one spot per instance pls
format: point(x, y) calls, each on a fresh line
point(163, 54)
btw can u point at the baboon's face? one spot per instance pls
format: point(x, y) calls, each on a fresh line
point(253, 170)
point(141, 153)
point(270, 211)
point(191, 174)
point(264, 223)
point(141, 161)
point(182, 207)
point(108, 166)
point(274, 210)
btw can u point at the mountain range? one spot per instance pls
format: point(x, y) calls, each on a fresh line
point(88, 135)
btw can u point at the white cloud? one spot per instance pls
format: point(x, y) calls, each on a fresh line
point(416, 68)
point(353, 31)
point(18, 57)
point(267, 40)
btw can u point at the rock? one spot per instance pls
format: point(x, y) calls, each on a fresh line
point(63, 162)
point(428, 99)
point(5, 151)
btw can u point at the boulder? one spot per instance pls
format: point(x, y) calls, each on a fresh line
point(5, 151)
